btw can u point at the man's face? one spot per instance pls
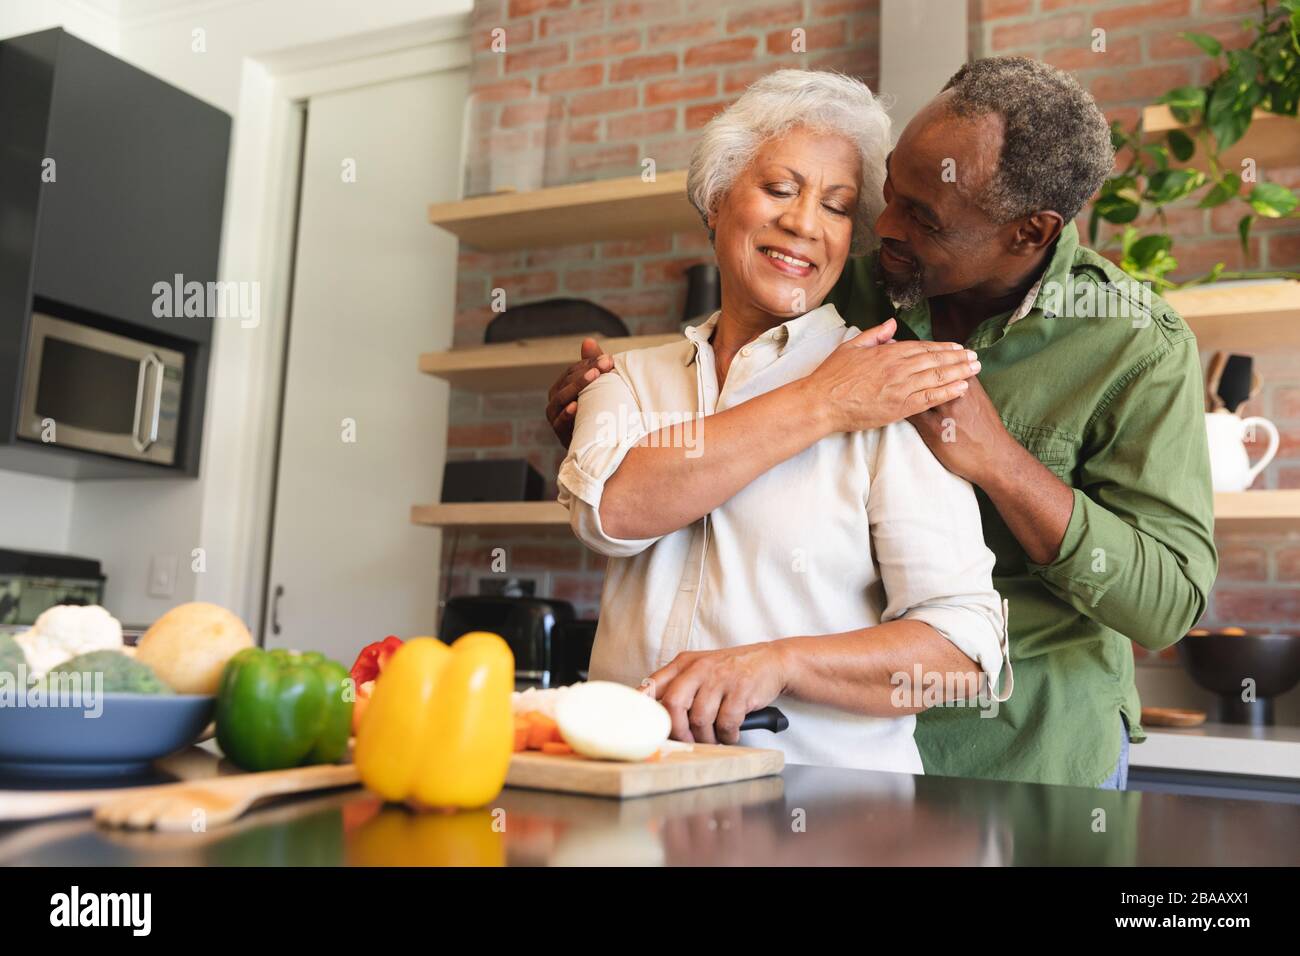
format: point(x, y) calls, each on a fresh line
point(934, 239)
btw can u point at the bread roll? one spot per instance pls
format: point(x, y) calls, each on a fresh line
point(189, 645)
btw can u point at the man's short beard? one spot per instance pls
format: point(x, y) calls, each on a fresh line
point(906, 292)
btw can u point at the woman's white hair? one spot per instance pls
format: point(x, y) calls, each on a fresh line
point(774, 104)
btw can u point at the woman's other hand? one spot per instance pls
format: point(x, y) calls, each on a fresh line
point(871, 381)
point(562, 399)
point(709, 693)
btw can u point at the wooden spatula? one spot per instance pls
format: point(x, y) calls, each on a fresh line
point(212, 803)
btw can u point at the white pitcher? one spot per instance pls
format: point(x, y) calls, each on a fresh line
point(1230, 466)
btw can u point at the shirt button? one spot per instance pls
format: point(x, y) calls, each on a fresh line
point(746, 350)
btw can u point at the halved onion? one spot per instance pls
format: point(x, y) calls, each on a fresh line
point(609, 721)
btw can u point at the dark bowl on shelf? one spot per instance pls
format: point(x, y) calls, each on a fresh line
point(1223, 662)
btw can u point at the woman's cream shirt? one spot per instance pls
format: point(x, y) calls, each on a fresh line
point(859, 528)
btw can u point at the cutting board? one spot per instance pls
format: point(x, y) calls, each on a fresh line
point(702, 766)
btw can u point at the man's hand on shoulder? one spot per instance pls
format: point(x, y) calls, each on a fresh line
point(966, 434)
point(562, 399)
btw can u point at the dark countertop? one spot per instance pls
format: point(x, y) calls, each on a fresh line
point(806, 816)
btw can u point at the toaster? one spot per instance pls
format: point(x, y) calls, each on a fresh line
point(551, 647)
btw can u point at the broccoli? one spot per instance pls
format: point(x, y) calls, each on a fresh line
point(11, 656)
point(122, 674)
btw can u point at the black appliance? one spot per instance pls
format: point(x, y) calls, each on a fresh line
point(34, 581)
point(550, 317)
point(508, 479)
point(703, 293)
point(533, 627)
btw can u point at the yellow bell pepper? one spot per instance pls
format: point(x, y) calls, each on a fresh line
point(439, 730)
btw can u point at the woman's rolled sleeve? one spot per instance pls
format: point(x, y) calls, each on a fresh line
point(929, 547)
point(608, 424)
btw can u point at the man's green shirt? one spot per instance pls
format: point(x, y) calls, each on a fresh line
point(1104, 387)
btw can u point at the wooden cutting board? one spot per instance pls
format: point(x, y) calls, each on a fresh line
point(702, 766)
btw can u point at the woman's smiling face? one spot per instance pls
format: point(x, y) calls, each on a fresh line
point(782, 231)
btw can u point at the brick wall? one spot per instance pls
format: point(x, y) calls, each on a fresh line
point(586, 90)
point(1259, 577)
point(597, 86)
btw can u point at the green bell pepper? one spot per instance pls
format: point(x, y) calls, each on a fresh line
point(278, 709)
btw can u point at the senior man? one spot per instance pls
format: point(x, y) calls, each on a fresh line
point(1083, 433)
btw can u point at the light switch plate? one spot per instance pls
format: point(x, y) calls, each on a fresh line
point(162, 575)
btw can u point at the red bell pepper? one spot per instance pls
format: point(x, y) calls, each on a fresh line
point(369, 664)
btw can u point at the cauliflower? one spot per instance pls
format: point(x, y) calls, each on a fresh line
point(66, 631)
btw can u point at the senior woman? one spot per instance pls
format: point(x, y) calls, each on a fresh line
point(824, 570)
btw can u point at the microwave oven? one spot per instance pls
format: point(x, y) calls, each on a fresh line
point(101, 392)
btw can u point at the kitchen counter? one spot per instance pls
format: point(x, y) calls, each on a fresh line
point(805, 816)
point(1222, 748)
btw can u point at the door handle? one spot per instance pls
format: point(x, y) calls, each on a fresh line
point(151, 417)
point(275, 609)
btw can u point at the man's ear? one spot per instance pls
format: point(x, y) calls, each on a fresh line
point(1036, 233)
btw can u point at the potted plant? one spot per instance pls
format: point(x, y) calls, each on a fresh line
point(1264, 75)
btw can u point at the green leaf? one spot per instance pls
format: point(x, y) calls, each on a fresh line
point(1117, 209)
point(1223, 190)
point(1272, 201)
point(1185, 102)
point(1228, 127)
point(1229, 110)
point(1180, 144)
point(1126, 240)
point(1145, 251)
point(1159, 154)
point(1243, 233)
point(1119, 201)
point(1170, 185)
point(1207, 43)
point(1118, 138)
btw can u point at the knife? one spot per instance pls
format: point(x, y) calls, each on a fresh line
point(769, 718)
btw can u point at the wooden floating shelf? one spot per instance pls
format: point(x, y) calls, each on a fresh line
point(1237, 317)
point(1271, 140)
point(1227, 316)
point(492, 514)
point(627, 208)
point(1255, 511)
point(523, 365)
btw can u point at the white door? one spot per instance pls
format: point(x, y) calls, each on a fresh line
point(364, 432)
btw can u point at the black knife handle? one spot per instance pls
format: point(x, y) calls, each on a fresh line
point(769, 718)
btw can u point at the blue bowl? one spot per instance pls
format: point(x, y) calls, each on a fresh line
point(129, 732)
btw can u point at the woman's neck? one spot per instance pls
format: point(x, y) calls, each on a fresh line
point(735, 329)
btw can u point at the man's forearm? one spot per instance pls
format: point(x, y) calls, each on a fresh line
point(862, 671)
point(662, 486)
point(1034, 504)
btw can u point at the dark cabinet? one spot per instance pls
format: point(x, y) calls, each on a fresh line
point(112, 184)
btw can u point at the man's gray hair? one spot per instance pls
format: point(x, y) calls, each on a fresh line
point(777, 103)
point(1056, 148)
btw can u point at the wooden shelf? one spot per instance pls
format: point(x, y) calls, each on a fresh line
point(628, 208)
point(503, 514)
point(1270, 141)
point(526, 364)
point(1241, 316)
point(1254, 511)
